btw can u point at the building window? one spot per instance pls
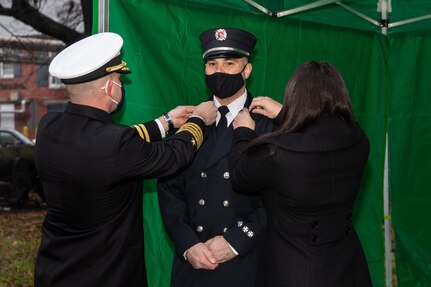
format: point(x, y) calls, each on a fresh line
point(6, 70)
point(55, 83)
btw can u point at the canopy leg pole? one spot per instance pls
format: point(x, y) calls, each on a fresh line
point(387, 219)
point(103, 23)
point(384, 7)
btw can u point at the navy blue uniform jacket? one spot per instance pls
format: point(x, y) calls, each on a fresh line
point(199, 203)
point(92, 171)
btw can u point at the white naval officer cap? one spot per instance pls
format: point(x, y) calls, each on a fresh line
point(89, 59)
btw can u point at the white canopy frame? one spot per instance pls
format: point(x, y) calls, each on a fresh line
point(103, 13)
point(384, 7)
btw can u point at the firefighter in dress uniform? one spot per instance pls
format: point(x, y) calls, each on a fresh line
point(216, 232)
point(92, 170)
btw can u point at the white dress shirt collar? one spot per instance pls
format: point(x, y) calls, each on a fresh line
point(234, 108)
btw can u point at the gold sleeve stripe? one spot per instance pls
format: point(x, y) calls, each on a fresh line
point(143, 133)
point(196, 132)
point(147, 135)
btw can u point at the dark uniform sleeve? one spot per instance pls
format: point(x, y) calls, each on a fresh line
point(139, 156)
point(248, 232)
point(175, 214)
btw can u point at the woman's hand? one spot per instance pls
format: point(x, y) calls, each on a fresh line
point(243, 119)
point(266, 107)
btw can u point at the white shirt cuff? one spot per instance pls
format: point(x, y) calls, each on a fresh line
point(233, 250)
point(161, 128)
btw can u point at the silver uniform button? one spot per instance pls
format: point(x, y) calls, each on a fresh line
point(225, 229)
point(201, 202)
point(225, 203)
point(204, 174)
point(199, 228)
point(226, 175)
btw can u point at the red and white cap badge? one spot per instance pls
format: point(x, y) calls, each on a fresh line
point(220, 34)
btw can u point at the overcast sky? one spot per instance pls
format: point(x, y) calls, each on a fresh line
point(10, 26)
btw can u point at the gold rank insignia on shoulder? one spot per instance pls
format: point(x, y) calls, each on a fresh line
point(196, 132)
point(143, 132)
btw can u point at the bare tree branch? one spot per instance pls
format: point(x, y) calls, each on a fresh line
point(23, 11)
point(31, 16)
point(5, 11)
point(87, 11)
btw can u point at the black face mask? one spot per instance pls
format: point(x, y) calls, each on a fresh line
point(224, 85)
point(121, 102)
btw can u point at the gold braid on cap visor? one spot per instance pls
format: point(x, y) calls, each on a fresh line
point(122, 67)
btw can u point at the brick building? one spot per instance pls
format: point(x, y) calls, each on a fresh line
point(27, 91)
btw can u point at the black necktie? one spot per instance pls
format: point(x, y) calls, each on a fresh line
point(222, 124)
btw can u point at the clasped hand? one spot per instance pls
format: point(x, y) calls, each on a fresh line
point(210, 254)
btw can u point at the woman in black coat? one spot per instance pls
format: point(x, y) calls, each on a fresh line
point(308, 173)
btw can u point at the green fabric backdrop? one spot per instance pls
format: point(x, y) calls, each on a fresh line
point(386, 78)
point(410, 158)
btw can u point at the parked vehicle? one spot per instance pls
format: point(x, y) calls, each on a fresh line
point(18, 174)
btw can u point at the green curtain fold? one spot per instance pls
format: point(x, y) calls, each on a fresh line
point(410, 159)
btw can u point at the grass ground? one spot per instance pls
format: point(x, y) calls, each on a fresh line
point(20, 232)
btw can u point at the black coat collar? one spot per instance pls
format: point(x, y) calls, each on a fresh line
point(87, 111)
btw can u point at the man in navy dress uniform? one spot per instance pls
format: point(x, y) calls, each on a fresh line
point(216, 232)
point(92, 170)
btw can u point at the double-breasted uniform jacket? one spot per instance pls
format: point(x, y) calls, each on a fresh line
point(308, 181)
point(92, 170)
point(199, 203)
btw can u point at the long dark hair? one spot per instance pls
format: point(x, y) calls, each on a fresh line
point(313, 89)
